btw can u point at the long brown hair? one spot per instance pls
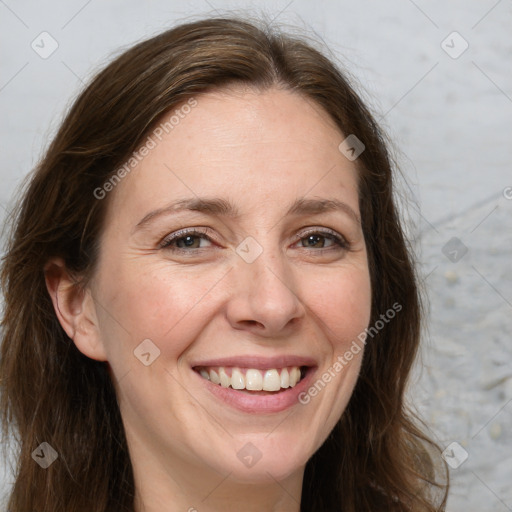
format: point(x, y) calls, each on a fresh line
point(376, 458)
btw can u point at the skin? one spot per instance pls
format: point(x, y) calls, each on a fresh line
point(261, 151)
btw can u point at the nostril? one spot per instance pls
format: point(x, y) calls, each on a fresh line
point(251, 323)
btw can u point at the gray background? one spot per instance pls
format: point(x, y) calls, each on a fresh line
point(451, 123)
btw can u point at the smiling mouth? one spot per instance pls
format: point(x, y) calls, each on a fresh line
point(253, 381)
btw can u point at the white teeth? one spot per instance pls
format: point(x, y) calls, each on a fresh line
point(272, 379)
point(225, 381)
point(214, 377)
point(294, 376)
point(237, 379)
point(253, 380)
point(285, 378)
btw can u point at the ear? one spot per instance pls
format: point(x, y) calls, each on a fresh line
point(75, 309)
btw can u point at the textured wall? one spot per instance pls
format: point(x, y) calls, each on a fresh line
point(438, 77)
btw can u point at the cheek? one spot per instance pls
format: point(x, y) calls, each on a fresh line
point(155, 302)
point(342, 304)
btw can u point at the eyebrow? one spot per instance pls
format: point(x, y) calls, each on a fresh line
point(221, 208)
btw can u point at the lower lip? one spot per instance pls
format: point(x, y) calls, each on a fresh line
point(259, 404)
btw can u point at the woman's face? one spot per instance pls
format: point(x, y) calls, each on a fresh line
point(235, 242)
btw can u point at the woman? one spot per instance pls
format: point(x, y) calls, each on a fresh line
point(209, 301)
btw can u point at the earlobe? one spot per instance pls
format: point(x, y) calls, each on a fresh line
point(75, 309)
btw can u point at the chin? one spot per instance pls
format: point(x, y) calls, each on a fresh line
point(273, 462)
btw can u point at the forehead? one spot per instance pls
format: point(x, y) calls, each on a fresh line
point(257, 145)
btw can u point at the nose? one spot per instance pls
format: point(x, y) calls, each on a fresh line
point(264, 297)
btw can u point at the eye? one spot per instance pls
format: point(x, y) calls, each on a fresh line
point(323, 239)
point(186, 239)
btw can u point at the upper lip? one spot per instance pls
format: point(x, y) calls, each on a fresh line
point(258, 362)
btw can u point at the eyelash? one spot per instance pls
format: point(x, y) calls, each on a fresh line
point(340, 242)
